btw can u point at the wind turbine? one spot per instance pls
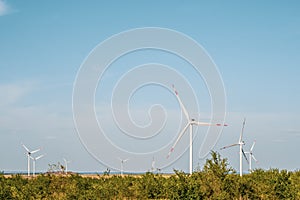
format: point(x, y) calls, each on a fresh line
point(251, 156)
point(190, 123)
point(122, 163)
point(34, 160)
point(28, 152)
point(66, 164)
point(240, 143)
point(153, 165)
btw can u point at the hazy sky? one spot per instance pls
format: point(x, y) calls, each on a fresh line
point(254, 44)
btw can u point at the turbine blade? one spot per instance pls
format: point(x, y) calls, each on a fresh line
point(221, 124)
point(35, 151)
point(242, 132)
point(66, 161)
point(252, 146)
point(25, 148)
point(254, 158)
point(178, 138)
point(31, 157)
point(122, 160)
point(153, 164)
point(209, 124)
point(245, 156)
point(229, 146)
point(181, 104)
point(39, 157)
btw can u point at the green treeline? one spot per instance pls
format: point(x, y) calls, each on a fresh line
point(215, 181)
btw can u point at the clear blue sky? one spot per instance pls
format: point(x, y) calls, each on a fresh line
point(255, 45)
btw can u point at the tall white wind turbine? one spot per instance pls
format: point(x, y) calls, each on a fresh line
point(190, 123)
point(66, 164)
point(28, 153)
point(240, 143)
point(251, 156)
point(34, 159)
point(122, 164)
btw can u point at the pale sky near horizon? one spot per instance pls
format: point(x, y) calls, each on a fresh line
point(254, 44)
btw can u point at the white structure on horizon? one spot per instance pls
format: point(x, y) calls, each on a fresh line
point(34, 159)
point(240, 143)
point(29, 153)
point(66, 165)
point(251, 156)
point(122, 163)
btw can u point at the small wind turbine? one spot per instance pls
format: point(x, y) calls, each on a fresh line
point(190, 123)
point(251, 156)
point(28, 153)
point(66, 164)
point(153, 169)
point(34, 160)
point(240, 143)
point(122, 163)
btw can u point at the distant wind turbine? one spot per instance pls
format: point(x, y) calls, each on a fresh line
point(66, 164)
point(240, 143)
point(122, 163)
point(34, 159)
point(190, 123)
point(251, 156)
point(28, 153)
point(153, 169)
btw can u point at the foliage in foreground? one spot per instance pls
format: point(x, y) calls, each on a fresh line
point(215, 181)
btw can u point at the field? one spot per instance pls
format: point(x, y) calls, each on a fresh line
point(215, 181)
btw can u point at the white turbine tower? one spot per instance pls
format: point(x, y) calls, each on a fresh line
point(66, 164)
point(240, 143)
point(28, 153)
point(251, 156)
point(34, 159)
point(190, 123)
point(122, 163)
